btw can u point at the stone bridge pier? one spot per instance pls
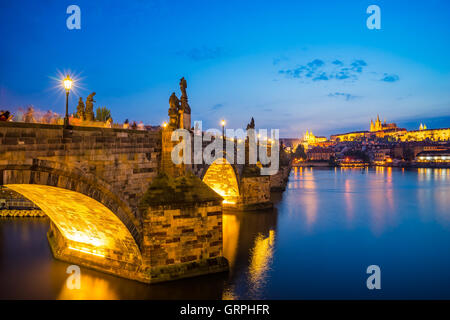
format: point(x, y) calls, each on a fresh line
point(241, 186)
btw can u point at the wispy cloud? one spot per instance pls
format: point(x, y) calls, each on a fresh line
point(346, 96)
point(217, 106)
point(319, 70)
point(202, 53)
point(390, 78)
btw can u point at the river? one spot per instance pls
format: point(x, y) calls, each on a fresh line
point(324, 231)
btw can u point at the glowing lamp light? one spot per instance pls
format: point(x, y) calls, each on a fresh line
point(164, 125)
point(67, 83)
point(222, 123)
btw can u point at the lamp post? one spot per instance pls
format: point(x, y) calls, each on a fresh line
point(223, 128)
point(67, 85)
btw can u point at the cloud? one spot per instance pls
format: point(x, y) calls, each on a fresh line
point(316, 63)
point(319, 70)
point(358, 65)
point(202, 54)
point(217, 106)
point(390, 78)
point(322, 76)
point(347, 96)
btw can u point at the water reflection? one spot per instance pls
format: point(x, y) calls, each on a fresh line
point(92, 287)
point(326, 227)
point(249, 241)
point(303, 179)
point(349, 189)
point(260, 263)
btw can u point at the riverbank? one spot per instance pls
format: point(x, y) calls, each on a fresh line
point(397, 165)
point(22, 214)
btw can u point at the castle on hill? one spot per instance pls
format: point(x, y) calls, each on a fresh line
point(378, 126)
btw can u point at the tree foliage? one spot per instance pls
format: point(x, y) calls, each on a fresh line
point(102, 114)
point(299, 152)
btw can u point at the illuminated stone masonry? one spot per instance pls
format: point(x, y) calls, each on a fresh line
point(90, 182)
point(183, 240)
point(112, 166)
point(84, 231)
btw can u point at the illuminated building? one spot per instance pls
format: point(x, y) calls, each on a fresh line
point(427, 134)
point(350, 161)
point(320, 154)
point(434, 156)
point(351, 136)
point(309, 139)
point(381, 130)
point(378, 126)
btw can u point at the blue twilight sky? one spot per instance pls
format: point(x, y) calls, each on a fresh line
point(293, 65)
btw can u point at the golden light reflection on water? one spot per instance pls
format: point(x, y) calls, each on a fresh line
point(249, 241)
point(304, 179)
point(260, 261)
point(92, 288)
point(230, 227)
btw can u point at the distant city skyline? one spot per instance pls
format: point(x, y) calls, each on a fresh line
point(293, 65)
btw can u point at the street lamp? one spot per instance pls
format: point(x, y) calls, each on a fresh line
point(67, 85)
point(223, 128)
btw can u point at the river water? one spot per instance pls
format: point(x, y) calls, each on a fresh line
point(325, 230)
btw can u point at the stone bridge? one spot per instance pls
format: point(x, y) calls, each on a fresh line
point(89, 182)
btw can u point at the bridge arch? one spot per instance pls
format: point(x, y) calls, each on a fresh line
point(223, 179)
point(56, 174)
point(84, 231)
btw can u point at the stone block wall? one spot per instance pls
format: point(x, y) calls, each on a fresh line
point(254, 193)
point(108, 261)
point(279, 180)
point(181, 240)
point(125, 160)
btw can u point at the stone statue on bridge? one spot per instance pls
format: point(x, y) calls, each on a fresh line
point(183, 86)
point(179, 110)
point(184, 99)
point(174, 106)
point(80, 109)
point(89, 112)
point(251, 125)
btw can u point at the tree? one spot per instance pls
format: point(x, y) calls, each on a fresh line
point(102, 114)
point(299, 152)
point(358, 154)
